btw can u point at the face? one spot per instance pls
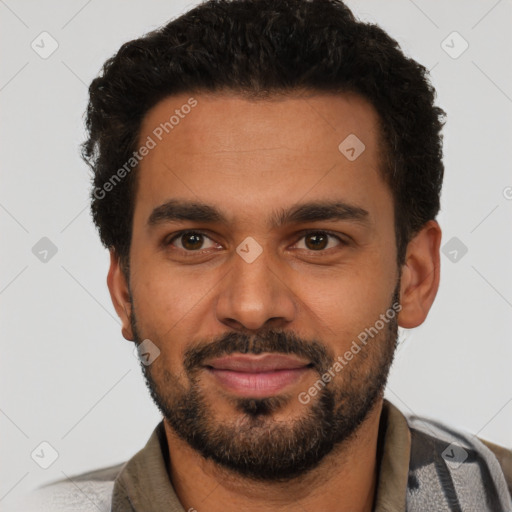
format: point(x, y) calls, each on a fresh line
point(261, 255)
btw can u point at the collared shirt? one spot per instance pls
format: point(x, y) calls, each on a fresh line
point(144, 484)
point(422, 466)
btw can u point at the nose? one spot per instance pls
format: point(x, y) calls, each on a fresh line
point(256, 295)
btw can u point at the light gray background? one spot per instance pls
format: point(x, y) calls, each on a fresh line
point(68, 377)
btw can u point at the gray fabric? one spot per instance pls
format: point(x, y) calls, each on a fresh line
point(451, 471)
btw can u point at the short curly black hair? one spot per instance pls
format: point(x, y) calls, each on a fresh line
point(258, 48)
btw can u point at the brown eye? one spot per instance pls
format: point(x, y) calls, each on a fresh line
point(318, 241)
point(190, 240)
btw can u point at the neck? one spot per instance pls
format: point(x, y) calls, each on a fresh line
point(344, 481)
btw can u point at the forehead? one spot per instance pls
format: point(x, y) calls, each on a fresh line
point(230, 122)
point(215, 148)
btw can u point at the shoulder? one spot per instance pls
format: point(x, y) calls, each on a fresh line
point(504, 457)
point(79, 493)
point(458, 463)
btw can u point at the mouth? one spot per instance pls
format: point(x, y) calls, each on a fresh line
point(257, 376)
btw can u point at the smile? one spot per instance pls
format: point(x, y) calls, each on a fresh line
point(257, 376)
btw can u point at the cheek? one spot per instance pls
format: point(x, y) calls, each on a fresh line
point(166, 294)
point(170, 305)
point(347, 303)
point(161, 310)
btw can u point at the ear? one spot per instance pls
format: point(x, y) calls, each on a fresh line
point(120, 295)
point(420, 276)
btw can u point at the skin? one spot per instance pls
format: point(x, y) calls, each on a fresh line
point(248, 158)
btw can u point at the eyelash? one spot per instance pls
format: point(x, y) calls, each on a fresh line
point(301, 234)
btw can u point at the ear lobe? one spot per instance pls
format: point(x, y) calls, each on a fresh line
point(120, 294)
point(420, 276)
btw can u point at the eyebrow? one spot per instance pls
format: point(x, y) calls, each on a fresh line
point(180, 210)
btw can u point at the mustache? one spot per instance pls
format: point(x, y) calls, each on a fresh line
point(273, 341)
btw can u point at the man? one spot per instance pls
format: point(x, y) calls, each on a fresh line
point(267, 179)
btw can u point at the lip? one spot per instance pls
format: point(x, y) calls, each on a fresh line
point(259, 375)
point(250, 363)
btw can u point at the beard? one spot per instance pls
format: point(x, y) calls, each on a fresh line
point(255, 445)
